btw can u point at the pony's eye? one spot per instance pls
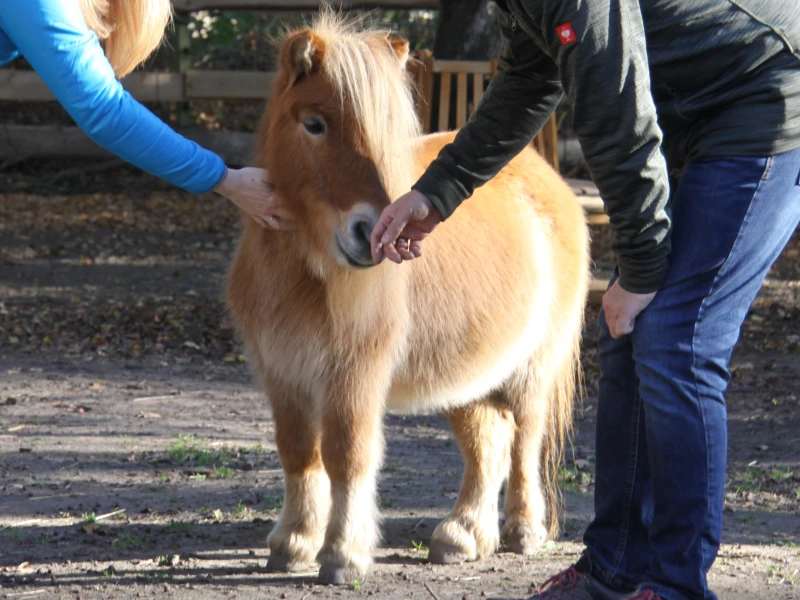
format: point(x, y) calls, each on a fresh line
point(314, 126)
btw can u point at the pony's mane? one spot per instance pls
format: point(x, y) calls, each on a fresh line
point(363, 69)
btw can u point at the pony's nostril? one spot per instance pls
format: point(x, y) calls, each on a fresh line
point(354, 241)
point(362, 229)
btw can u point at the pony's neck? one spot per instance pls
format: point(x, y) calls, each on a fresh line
point(358, 300)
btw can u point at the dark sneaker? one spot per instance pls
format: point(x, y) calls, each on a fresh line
point(571, 584)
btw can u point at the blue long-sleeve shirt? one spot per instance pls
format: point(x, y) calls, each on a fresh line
point(53, 37)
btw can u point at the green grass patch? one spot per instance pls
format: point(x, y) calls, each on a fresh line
point(420, 548)
point(187, 449)
point(573, 479)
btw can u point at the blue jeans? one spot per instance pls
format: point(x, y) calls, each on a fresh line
point(661, 418)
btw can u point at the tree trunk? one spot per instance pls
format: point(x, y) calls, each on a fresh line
point(467, 30)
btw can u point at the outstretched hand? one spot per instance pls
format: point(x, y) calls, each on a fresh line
point(250, 190)
point(402, 226)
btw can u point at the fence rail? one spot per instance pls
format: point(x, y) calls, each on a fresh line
point(434, 80)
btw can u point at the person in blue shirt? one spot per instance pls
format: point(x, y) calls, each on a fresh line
point(81, 49)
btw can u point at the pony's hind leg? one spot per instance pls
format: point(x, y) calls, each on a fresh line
point(542, 416)
point(299, 532)
point(484, 431)
point(524, 528)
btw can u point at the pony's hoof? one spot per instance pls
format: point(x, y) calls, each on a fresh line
point(462, 539)
point(335, 575)
point(445, 554)
point(283, 563)
point(523, 538)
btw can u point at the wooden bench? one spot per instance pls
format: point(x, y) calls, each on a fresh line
point(435, 80)
point(470, 79)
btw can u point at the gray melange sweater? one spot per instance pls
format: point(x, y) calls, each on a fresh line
point(653, 84)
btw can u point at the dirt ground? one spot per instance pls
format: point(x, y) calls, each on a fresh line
point(137, 459)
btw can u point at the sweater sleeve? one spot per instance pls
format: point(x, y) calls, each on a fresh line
point(599, 47)
point(54, 38)
point(519, 100)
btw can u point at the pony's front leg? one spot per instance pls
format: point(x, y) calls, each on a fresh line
point(352, 449)
point(299, 532)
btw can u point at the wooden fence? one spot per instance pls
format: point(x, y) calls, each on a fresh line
point(27, 86)
point(192, 85)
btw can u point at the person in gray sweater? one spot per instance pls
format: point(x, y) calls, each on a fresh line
point(688, 115)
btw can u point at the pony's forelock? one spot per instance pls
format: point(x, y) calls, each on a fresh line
point(364, 70)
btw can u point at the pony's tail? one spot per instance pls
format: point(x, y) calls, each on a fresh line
point(567, 384)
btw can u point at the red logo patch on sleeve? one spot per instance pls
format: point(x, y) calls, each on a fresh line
point(566, 34)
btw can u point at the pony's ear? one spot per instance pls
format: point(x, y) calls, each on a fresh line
point(401, 48)
point(301, 55)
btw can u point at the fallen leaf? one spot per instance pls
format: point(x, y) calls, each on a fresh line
point(24, 567)
point(147, 415)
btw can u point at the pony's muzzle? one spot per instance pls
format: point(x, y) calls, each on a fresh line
point(353, 240)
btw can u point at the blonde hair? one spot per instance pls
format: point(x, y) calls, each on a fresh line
point(130, 30)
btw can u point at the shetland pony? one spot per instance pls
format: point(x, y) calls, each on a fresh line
point(484, 326)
